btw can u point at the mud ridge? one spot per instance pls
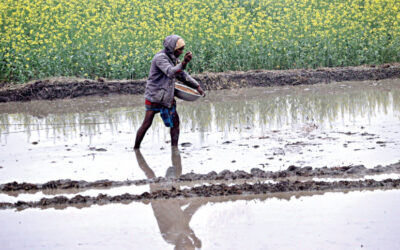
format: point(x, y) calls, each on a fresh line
point(357, 171)
point(210, 191)
point(59, 88)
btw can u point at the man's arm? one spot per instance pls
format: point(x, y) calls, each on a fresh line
point(164, 64)
point(184, 77)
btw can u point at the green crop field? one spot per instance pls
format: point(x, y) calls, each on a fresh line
point(117, 38)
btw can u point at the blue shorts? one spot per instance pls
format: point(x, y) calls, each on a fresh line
point(167, 114)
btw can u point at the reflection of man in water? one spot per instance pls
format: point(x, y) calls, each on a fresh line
point(172, 220)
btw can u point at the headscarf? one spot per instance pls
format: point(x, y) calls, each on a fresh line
point(179, 44)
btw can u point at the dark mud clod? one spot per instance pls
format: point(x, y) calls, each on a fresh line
point(292, 168)
point(97, 149)
point(186, 144)
point(15, 186)
point(4, 99)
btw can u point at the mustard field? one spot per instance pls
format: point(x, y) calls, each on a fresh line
point(118, 38)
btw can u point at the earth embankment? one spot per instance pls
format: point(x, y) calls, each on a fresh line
point(59, 88)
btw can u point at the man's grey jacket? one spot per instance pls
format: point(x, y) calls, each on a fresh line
point(165, 68)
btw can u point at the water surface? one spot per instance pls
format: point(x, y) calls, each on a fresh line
point(355, 220)
point(270, 128)
point(92, 138)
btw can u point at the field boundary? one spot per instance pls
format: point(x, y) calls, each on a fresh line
point(213, 190)
point(63, 87)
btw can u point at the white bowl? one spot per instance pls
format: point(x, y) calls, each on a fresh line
point(186, 93)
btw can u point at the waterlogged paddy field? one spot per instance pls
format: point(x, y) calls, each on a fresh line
point(270, 128)
point(356, 220)
point(331, 125)
point(118, 38)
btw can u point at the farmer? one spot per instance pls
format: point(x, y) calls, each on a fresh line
point(159, 93)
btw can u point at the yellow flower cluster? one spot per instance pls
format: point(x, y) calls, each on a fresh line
point(117, 38)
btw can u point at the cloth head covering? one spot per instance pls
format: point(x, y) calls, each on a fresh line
point(170, 44)
point(179, 44)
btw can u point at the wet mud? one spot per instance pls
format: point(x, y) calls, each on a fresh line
point(209, 191)
point(356, 171)
point(59, 88)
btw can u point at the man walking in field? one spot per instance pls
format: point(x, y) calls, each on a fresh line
point(159, 93)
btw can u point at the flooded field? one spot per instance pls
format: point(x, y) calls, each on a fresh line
point(261, 168)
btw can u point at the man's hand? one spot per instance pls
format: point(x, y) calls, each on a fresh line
point(201, 91)
point(188, 57)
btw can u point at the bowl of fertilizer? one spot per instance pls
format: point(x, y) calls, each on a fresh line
point(186, 93)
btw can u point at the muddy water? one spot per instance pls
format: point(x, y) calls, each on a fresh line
point(270, 128)
point(90, 139)
point(355, 220)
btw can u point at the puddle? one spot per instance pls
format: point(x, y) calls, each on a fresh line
point(313, 220)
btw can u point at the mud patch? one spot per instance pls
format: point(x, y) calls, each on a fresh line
point(59, 88)
point(226, 175)
point(209, 191)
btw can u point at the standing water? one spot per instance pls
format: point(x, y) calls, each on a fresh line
point(271, 128)
point(323, 125)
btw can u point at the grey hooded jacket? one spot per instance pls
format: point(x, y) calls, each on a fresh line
point(165, 68)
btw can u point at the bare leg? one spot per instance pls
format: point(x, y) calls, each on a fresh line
point(148, 120)
point(175, 131)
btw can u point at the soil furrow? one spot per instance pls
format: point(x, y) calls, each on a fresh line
point(356, 171)
point(210, 191)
